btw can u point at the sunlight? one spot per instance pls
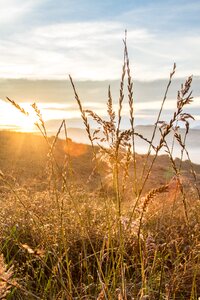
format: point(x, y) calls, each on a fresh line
point(26, 123)
point(13, 119)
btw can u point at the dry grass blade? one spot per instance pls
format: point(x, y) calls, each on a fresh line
point(131, 111)
point(178, 115)
point(83, 115)
point(111, 115)
point(103, 293)
point(151, 194)
point(18, 107)
point(182, 143)
point(110, 111)
point(126, 167)
point(158, 119)
point(39, 115)
point(145, 139)
point(177, 173)
point(56, 137)
point(124, 136)
point(5, 278)
point(36, 252)
point(95, 116)
point(121, 96)
point(67, 162)
point(193, 173)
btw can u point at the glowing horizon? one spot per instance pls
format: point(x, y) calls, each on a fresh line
point(145, 113)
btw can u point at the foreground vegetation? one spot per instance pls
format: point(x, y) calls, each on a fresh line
point(105, 223)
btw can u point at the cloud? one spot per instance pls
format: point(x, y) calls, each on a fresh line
point(86, 50)
point(13, 10)
point(94, 50)
point(44, 39)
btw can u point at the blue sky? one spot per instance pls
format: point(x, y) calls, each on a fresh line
point(50, 39)
point(46, 39)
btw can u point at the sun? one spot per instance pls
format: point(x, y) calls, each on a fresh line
point(27, 123)
point(13, 119)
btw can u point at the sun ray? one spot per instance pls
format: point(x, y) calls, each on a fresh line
point(17, 120)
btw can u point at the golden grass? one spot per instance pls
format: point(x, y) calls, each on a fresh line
point(119, 232)
point(5, 278)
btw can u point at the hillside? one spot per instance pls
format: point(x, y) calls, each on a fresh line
point(24, 156)
point(61, 224)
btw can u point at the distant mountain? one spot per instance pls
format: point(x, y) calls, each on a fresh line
point(53, 125)
point(193, 137)
point(77, 133)
point(74, 130)
point(192, 141)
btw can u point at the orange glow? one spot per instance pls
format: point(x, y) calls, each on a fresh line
point(74, 149)
point(12, 118)
point(26, 123)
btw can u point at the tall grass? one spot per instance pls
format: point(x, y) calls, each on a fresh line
point(123, 240)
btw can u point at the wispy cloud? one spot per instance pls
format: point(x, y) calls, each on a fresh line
point(49, 40)
point(86, 50)
point(94, 51)
point(13, 11)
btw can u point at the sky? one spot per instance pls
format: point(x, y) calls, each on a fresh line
point(42, 41)
point(50, 39)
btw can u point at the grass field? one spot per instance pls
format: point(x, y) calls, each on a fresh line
point(100, 221)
